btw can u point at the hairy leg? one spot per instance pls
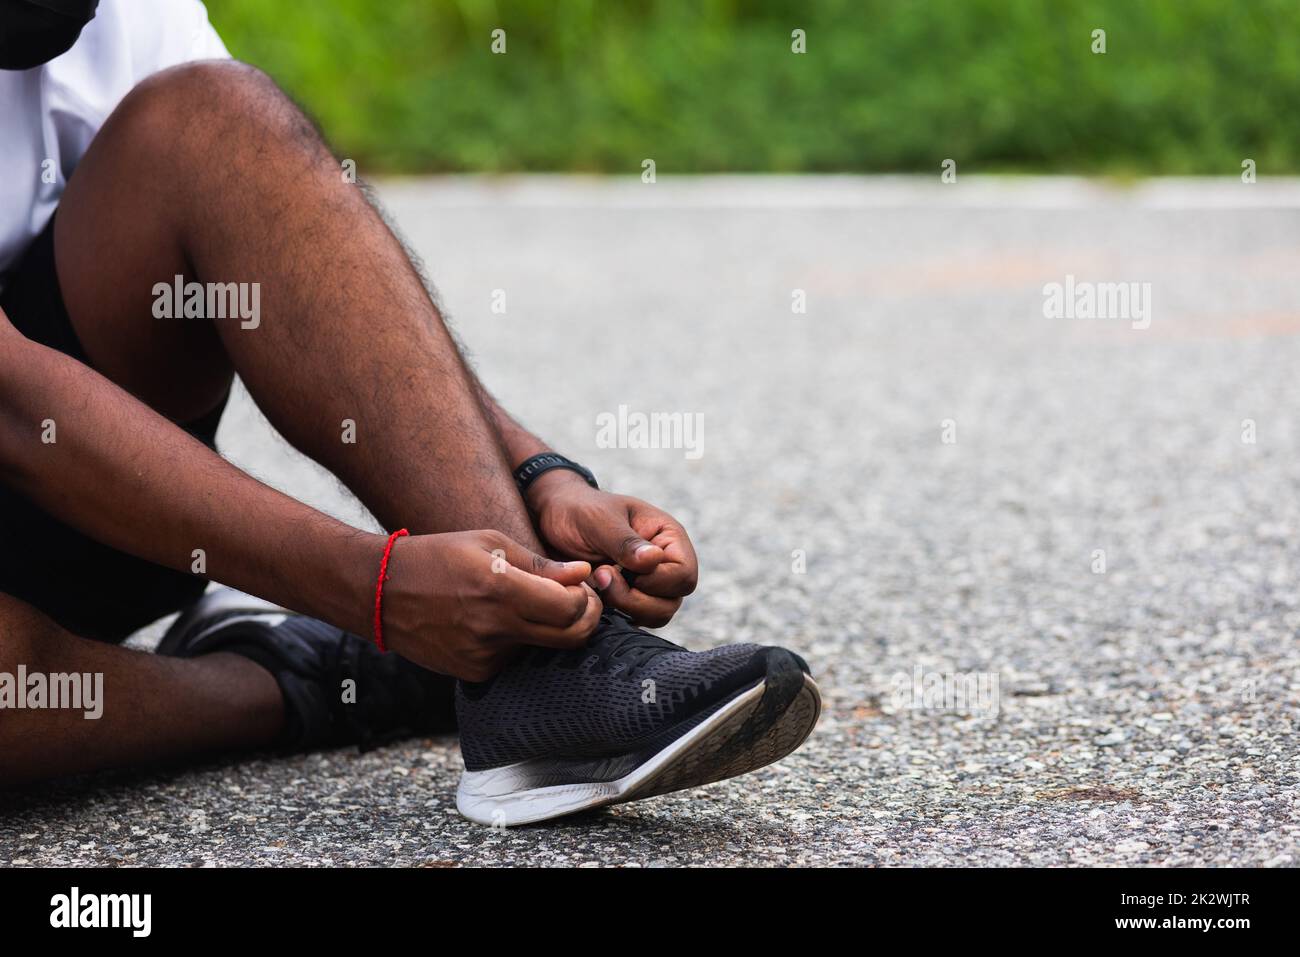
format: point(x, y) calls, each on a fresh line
point(208, 171)
point(153, 708)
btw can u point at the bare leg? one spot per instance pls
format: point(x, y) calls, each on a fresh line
point(210, 172)
point(153, 708)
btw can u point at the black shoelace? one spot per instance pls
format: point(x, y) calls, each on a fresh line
point(618, 642)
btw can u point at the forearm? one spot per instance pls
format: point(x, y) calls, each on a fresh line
point(518, 442)
point(519, 445)
point(106, 464)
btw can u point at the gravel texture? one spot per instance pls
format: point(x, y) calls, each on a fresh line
point(1145, 714)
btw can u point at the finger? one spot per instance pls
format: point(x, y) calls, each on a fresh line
point(527, 560)
point(678, 573)
point(650, 610)
point(668, 580)
point(541, 600)
point(602, 576)
point(572, 636)
point(621, 543)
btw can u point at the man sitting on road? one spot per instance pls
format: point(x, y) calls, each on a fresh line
point(135, 152)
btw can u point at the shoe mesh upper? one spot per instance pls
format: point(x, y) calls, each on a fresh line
point(579, 706)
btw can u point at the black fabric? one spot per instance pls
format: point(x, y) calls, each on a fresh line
point(33, 32)
point(391, 698)
point(88, 588)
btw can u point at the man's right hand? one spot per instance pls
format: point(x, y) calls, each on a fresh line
point(460, 603)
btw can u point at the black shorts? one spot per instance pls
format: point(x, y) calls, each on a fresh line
point(88, 588)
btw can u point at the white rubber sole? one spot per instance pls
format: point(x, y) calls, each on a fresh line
point(711, 751)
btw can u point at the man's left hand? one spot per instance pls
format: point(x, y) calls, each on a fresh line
point(613, 531)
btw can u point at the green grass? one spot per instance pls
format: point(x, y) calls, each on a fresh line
point(1186, 86)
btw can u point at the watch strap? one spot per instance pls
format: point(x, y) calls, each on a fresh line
point(540, 464)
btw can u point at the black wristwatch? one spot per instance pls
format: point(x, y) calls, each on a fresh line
point(527, 473)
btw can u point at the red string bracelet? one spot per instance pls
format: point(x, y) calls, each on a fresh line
point(379, 587)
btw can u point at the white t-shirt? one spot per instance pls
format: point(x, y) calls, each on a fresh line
point(50, 113)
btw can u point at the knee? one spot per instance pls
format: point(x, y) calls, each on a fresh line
point(209, 109)
point(202, 95)
point(24, 632)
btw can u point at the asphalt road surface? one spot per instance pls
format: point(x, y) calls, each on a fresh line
point(922, 483)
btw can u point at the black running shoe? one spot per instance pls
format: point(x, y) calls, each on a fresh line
point(629, 716)
point(391, 699)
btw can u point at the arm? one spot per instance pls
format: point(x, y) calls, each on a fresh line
point(604, 529)
point(127, 477)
